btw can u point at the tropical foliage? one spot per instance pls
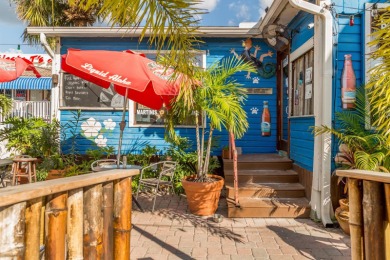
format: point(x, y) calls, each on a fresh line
point(55, 13)
point(5, 105)
point(167, 25)
point(219, 98)
point(22, 133)
point(361, 148)
point(379, 85)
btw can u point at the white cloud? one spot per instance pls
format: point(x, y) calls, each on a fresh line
point(208, 5)
point(231, 23)
point(242, 11)
point(264, 4)
point(7, 14)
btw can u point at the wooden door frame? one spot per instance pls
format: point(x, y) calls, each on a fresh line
point(281, 144)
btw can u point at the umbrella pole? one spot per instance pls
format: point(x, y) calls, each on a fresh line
point(122, 128)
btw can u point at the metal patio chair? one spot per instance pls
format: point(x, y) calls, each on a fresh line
point(164, 173)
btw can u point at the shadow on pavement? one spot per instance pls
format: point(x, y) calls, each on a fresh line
point(312, 245)
point(158, 241)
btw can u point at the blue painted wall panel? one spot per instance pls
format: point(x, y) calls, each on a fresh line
point(135, 138)
point(302, 142)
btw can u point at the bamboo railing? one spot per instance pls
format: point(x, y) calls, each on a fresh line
point(85, 217)
point(369, 213)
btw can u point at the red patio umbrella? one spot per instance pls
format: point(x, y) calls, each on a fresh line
point(13, 69)
point(133, 75)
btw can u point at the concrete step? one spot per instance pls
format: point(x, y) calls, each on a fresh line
point(269, 208)
point(267, 190)
point(260, 176)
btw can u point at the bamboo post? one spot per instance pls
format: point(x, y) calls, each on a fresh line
point(75, 224)
point(108, 234)
point(387, 230)
point(387, 200)
point(93, 222)
point(355, 219)
point(55, 227)
point(122, 218)
point(373, 220)
point(33, 228)
point(12, 228)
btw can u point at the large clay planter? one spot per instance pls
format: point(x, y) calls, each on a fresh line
point(342, 217)
point(203, 197)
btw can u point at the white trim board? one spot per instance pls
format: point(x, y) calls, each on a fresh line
point(307, 46)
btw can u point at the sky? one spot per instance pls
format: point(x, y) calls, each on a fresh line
point(220, 13)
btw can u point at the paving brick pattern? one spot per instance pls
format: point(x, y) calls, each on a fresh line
point(172, 232)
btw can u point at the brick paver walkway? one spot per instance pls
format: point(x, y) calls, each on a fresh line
point(171, 232)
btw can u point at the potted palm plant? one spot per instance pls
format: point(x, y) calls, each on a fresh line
point(361, 147)
point(216, 100)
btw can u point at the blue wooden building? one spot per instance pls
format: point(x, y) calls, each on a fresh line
point(304, 41)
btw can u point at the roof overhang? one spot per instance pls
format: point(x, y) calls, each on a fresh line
point(215, 32)
point(280, 12)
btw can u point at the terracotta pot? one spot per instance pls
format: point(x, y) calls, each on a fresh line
point(342, 217)
point(344, 204)
point(203, 197)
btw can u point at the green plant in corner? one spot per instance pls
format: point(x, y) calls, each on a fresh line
point(365, 149)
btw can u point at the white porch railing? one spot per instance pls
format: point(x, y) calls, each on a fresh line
point(28, 109)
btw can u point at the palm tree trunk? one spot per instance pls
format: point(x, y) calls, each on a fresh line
point(207, 159)
point(198, 145)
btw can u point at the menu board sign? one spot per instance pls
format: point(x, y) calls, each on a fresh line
point(77, 92)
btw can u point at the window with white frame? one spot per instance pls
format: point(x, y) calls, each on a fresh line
point(140, 115)
point(302, 89)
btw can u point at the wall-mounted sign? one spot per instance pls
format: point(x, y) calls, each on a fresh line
point(259, 91)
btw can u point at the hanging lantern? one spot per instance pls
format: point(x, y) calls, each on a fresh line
point(351, 20)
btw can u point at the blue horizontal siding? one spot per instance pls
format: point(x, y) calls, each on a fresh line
point(302, 142)
point(217, 48)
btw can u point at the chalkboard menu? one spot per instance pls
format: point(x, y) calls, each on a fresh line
point(77, 92)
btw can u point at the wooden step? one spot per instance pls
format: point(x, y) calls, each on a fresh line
point(269, 208)
point(267, 190)
point(260, 176)
point(259, 161)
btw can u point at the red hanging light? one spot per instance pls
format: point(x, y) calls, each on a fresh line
point(351, 20)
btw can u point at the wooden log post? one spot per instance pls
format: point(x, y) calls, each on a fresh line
point(33, 228)
point(75, 224)
point(387, 229)
point(55, 219)
point(122, 218)
point(387, 198)
point(373, 217)
point(12, 226)
point(93, 222)
point(108, 234)
point(356, 219)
